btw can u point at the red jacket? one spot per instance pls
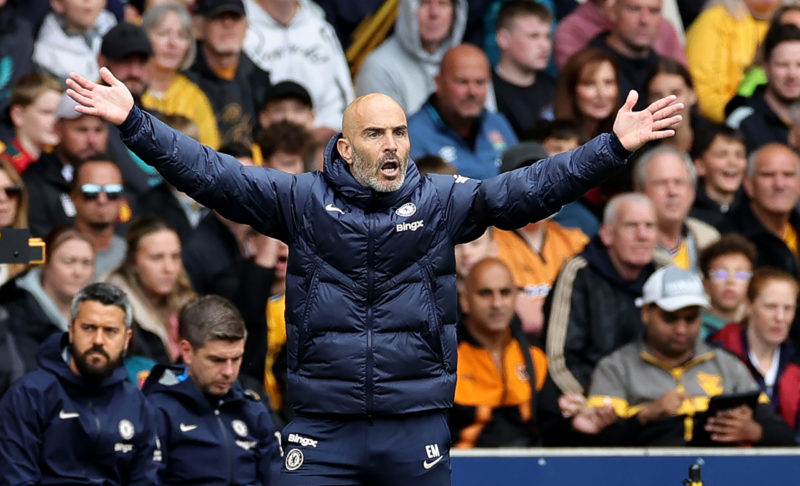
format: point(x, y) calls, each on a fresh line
point(786, 393)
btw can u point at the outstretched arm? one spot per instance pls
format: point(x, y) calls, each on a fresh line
point(636, 128)
point(251, 195)
point(112, 103)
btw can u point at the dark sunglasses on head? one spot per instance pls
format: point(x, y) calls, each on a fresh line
point(92, 191)
point(13, 191)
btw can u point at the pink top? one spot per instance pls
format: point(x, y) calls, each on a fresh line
point(587, 21)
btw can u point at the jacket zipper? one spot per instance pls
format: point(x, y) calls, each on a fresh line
point(227, 442)
point(370, 276)
point(438, 329)
point(99, 430)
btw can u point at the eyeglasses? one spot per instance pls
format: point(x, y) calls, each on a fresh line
point(92, 191)
point(740, 275)
point(12, 192)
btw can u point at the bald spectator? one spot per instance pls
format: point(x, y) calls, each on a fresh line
point(70, 37)
point(591, 310)
point(524, 91)
point(590, 19)
point(234, 85)
point(494, 405)
point(404, 65)
point(635, 25)
point(291, 40)
point(453, 123)
point(667, 176)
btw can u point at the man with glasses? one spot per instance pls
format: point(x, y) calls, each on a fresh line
point(97, 196)
point(649, 392)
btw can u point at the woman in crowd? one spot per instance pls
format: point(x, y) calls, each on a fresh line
point(36, 304)
point(588, 91)
point(154, 278)
point(13, 212)
point(669, 77)
point(761, 339)
point(169, 28)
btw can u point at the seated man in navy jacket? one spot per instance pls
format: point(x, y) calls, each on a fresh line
point(77, 419)
point(212, 430)
point(371, 306)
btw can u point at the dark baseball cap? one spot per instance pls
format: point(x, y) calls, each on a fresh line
point(210, 8)
point(289, 89)
point(123, 40)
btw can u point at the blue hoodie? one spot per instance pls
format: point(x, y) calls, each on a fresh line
point(233, 442)
point(57, 428)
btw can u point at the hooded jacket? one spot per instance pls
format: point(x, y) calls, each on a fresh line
point(231, 443)
point(29, 313)
point(400, 67)
point(371, 304)
point(57, 428)
point(589, 313)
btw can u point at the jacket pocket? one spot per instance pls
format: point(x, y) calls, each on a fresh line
point(303, 327)
point(435, 326)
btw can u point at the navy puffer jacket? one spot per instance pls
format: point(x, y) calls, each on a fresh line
point(371, 303)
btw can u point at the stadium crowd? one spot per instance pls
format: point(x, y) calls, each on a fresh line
point(153, 340)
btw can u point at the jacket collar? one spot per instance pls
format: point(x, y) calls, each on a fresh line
point(175, 380)
point(337, 174)
point(53, 356)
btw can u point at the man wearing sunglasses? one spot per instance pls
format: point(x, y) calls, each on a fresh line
point(97, 196)
point(371, 305)
point(649, 392)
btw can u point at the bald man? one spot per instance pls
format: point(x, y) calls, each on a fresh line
point(371, 304)
point(453, 123)
point(494, 402)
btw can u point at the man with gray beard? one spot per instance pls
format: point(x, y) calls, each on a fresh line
point(371, 305)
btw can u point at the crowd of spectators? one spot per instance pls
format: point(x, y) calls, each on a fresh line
point(568, 334)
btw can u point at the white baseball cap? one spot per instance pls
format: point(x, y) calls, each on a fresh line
point(672, 288)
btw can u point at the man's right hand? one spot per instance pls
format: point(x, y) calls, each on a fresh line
point(112, 103)
point(666, 405)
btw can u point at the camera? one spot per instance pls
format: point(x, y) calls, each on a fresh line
point(17, 246)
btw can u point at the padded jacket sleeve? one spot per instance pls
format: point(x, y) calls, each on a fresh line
point(516, 198)
point(20, 437)
point(251, 195)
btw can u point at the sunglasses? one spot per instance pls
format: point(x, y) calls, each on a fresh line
point(12, 192)
point(92, 191)
point(720, 275)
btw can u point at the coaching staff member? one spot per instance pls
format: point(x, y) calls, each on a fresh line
point(370, 293)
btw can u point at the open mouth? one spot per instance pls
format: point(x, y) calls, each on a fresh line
point(390, 168)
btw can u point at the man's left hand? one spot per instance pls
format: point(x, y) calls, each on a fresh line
point(735, 425)
point(636, 128)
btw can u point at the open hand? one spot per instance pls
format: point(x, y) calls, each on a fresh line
point(636, 128)
point(112, 103)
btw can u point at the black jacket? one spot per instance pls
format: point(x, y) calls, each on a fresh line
point(48, 196)
point(235, 102)
point(756, 120)
point(589, 312)
point(707, 210)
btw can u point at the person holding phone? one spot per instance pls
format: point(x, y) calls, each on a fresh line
point(760, 340)
point(650, 392)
